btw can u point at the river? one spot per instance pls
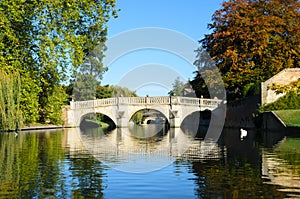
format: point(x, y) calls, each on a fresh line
point(133, 163)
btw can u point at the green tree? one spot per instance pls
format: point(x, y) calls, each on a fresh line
point(66, 33)
point(15, 52)
point(89, 76)
point(29, 100)
point(85, 87)
point(48, 41)
point(178, 87)
point(288, 101)
point(119, 91)
point(104, 92)
point(97, 91)
point(54, 106)
point(10, 113)
point(138, 117)
point(253, 40)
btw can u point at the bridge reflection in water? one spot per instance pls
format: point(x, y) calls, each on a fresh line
point(129, 149)
point(136, 150)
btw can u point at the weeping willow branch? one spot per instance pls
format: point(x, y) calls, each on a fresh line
point(10, 112)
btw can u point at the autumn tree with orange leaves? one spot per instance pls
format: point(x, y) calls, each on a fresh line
point(252, 40)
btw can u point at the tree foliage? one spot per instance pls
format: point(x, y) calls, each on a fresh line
point(207, 82)
point(47, 42)
point(10, 92)
point(253, 40)
point(119, 91)
point(138, 117)
point(291, 99)
point(89, 75)
point(104, 92)
point(52, 110)
point(178, 87)
point(85, 87)
point(293, 87)
point(29, 101)
point(98, 91)
point(288, 101)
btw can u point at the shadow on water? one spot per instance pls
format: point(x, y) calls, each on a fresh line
point(196, 124)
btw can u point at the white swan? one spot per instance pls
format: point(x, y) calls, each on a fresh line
point(243, 133)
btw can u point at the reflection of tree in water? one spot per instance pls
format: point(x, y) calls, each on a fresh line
point(216, 179)
point(30, 165)
point(87, 171)
point(50, 153)
point(33, 165)
point(88, 174)
point(238, 174)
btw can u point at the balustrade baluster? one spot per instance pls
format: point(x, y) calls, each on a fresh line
point(146, 100)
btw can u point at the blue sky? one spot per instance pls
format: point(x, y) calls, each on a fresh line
point(189, 18)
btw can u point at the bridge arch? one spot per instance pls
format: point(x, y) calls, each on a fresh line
point(82, 116)
point(164, 114)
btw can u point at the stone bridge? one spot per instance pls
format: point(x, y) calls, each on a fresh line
point(121, 109)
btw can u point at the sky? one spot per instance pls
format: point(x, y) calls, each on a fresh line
point(175, 23)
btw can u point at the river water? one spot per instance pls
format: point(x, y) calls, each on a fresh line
point(133, 163)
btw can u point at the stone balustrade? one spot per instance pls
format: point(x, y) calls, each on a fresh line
point(173, 100)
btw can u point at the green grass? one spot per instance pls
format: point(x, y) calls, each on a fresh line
point(40, 124)
point(290, 117)
point(104, 125)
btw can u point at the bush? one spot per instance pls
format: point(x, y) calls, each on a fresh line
point(289, 101)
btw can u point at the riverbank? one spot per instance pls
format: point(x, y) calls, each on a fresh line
point(90, 123)
point(285, 121)
point(42, 127)
point(291, 118)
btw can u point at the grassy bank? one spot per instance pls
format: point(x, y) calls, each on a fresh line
point(290, 117)
point(104, 125)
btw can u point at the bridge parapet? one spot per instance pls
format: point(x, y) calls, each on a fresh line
point(143, 100)
point(166, 100)
point(93, 103)
point(121, 109)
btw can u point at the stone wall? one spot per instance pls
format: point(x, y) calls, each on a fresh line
point(240, 113)
point(272, 122)
point(64, 115)
point(285, 77)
